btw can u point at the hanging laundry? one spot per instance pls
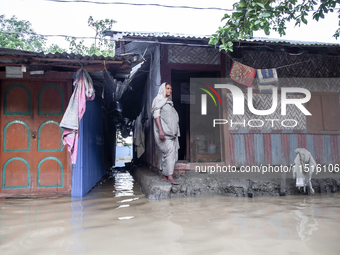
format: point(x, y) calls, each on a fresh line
point(267, 80)
point(242, 74)
point(75, 110)
point(139, 136)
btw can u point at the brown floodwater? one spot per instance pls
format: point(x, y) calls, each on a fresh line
point(115, 218)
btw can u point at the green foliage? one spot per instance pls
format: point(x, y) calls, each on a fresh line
point(267, 15)
point(120, 139)
point(19, 35)
point(100, 46)
point(54, 48)
point(77, 47)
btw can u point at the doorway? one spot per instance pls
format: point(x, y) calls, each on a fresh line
point(180, 81)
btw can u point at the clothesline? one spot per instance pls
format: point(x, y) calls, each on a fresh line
point(285, 65)
point(295, 63)
point(267, 78)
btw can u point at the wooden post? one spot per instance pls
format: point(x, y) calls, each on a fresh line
point(283, 184)
point(225, 130)
point(250, 189)
point(322, 187)
point(122, 48)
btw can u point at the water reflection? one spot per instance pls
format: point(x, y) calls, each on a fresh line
point(126, 218)
point(28, 225)
point(127, 200)
point(2, 222)
point(122, 206)
point(128, 223)
point(306, 221)
point(123, 184)
point(76, 220)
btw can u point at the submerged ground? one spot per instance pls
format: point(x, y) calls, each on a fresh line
point(116, 218)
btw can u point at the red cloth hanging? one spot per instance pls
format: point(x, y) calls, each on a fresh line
point(242, 74)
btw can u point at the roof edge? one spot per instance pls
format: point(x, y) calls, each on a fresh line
point(118, 35)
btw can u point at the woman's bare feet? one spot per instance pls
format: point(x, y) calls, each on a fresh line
point(164, 178)
point(171, 180)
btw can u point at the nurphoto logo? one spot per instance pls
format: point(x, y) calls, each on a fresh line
point(238, 100)
point(204, 98)
point(239, 108)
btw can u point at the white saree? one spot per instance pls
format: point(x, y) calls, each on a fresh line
point(164, 108)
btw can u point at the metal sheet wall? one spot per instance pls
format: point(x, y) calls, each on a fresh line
point(267, 148)
point(310, 144)
point(90, 167)
point(318, 148)
point(285, 149)
point(276, 149)
point(339, 144)
point(250, 153)
point(293, 144)
point(335, 148)
point(232, 151)
point(240, 151)
point(258, 149)
point(327, 154)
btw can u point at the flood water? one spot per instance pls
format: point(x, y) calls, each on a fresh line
point(115, 218)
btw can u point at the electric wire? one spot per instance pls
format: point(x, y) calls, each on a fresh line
point(160, 5)
point(142, 4)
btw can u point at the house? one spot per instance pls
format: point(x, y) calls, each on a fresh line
point(35, 91)
point(177, 58)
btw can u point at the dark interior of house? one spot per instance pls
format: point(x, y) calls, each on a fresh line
point(178, 79)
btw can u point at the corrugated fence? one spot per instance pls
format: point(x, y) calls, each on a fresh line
point(276, 149)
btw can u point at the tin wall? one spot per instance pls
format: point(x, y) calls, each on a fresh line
point(90, 166)
point(277, 149)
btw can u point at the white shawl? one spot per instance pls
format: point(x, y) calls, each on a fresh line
point(159, 101)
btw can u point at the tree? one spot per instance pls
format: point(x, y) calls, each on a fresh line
point(266, 15)
point(18, 34)
point(55, 48)
point(121, 139)
point(100, 46)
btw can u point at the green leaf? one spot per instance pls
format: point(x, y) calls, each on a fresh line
point(249, 10)
point(273, 14)
point(265, 15)
point(226, 16)
point(266, 30)
point(261, 5)
point(238, 14)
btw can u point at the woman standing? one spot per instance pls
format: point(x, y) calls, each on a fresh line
point(166, 130)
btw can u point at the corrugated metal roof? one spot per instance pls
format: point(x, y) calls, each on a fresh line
point(116, 35)
point(291, 42)
point(68, 56)
point(120, 34)
point(68, 60)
